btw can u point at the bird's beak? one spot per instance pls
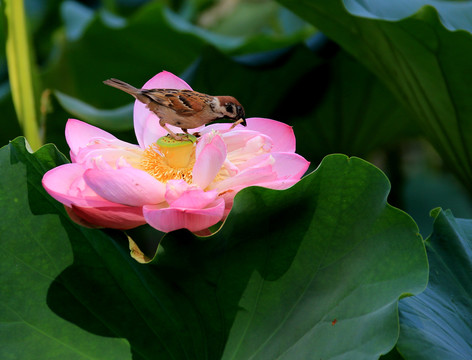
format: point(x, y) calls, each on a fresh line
point(242, 116)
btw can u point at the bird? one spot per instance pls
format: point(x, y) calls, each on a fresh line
point(186, 109)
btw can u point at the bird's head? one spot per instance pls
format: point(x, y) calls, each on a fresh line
point(231, 108)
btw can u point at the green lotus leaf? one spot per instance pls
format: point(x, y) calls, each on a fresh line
point(435, 325)
point(312, 272)
point(117, 119)
point(422, 53)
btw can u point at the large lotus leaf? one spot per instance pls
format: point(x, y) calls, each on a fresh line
point(307, 273)
point(436, 324)
point(423, 62)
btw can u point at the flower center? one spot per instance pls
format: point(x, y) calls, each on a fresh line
point(169, 159)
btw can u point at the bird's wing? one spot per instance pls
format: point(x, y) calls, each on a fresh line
point(183, 102)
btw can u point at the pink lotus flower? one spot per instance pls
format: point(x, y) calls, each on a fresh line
point(169, 185)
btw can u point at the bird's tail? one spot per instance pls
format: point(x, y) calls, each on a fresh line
point(137, 93)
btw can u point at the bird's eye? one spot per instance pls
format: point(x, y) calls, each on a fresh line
point(229, 108)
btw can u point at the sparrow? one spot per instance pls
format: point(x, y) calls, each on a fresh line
point(186, 109)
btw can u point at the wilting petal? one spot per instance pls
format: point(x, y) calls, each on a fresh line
point(126, 186)
point(65, 184)
point(211, 154)
point(170, 219)
point(146, 123)
point(115, 216)
point(79, 134)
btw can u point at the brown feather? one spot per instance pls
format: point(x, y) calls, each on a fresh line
point(186, 109)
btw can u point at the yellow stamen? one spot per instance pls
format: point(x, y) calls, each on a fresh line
point(169, 159)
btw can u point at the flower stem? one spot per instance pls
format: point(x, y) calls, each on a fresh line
point(22, 71)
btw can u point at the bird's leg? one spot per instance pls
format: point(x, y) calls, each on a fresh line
point(240, 121)
point(171, 133)
point(196, 134)
point(187, 134)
